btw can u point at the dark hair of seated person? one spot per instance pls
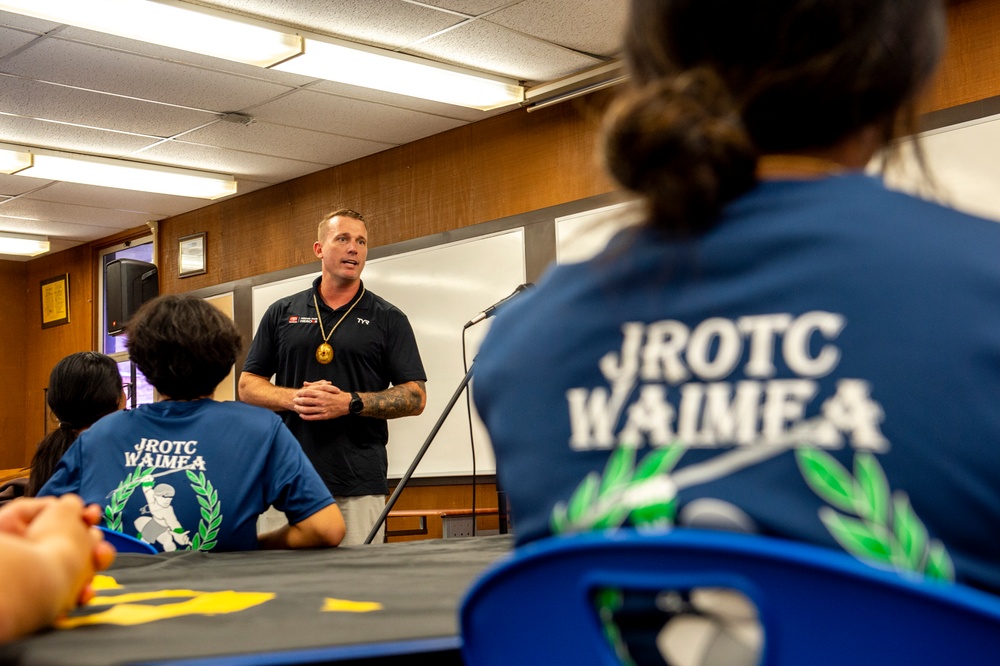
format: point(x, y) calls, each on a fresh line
point(707, 98)
point(83, 387)
point(183, 345)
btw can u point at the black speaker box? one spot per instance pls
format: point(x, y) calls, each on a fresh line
point(128, 283)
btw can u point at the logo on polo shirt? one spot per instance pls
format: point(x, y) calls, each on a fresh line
point(294, 319)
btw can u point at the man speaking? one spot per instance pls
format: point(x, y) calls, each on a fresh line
point(344, 361)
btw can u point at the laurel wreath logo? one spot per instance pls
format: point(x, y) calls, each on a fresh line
point(211, 516)
point(120, 496)
point(643, 494)
point(872, 523)
point(208, 498)
point(867, 518)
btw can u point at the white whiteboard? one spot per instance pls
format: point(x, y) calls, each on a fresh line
point(440, 289)
point(581, 236)
point(961, 164)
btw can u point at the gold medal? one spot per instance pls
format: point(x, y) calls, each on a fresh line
point(324, 353)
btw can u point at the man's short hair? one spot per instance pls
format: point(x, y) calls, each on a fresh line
point(340, 212)
point(183, 345)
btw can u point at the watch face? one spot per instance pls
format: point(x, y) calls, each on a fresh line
point(356, 405)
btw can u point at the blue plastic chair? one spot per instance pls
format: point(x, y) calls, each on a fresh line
point(124, 543)
point(818, 607)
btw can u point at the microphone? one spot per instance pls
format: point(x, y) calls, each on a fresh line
point(488, 312)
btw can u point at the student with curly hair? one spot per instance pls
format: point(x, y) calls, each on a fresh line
point(187, 472)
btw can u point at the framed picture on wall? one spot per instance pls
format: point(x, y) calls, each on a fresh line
point(191, 255)
point(55, 301)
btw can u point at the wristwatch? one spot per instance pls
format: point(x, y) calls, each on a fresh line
point(357, 404)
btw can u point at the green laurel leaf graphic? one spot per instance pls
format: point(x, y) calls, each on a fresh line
point(607, 601)
point(939, 564)
point(120, 496)
point(910, 532)
point(827, 478)
point(612, 516)
point(620, 494)
point(583, 498)
point(856, 536)
point(211, 517)
point(872, 498)
point(886, 530)
point(617, 471)
point(661, 514)
point(658, 462)
point(558, 522)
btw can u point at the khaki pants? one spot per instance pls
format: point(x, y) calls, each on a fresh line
point(360, 513)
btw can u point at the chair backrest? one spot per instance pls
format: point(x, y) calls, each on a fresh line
point(817, 606)
point(124, 543)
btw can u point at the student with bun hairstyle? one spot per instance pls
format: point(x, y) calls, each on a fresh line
point(786, 346)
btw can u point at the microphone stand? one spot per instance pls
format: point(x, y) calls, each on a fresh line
point(420, 454)
point(501, 496)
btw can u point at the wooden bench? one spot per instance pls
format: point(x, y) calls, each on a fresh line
point(454, 522)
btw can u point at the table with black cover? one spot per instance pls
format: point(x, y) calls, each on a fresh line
point(370, 604)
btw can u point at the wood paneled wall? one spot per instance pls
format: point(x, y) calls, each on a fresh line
point(505, 165)
point(13, 333)
point(501, 166)
point(970, 71)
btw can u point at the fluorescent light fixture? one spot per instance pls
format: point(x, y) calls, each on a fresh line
point(180, 25)
point(174, 24)
point(24, 245)
point(123, 174)
point(356, 64)
point(13, 159)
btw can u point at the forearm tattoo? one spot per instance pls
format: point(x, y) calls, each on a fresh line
point(395, 401)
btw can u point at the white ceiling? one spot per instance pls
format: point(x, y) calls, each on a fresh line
point(70, 89)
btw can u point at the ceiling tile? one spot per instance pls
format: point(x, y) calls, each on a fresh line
point(148, 205)
point(43, 134)
point(130, 75)
point(470, 7)
point(122, 94)
point(352, 118)
point(12, 186)
point(26, 23)
point(45, 101)
point(13, 39)
point(492, 48)
point(64, 203)
point(268, 139)
point(75, 231)
point(241, 164)
point(387, 23)
point(593, 26)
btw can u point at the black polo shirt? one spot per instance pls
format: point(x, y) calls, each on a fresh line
point(373, 348)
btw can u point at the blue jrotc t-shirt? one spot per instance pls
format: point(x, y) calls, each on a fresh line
point(191, 475)
point(824, 365)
